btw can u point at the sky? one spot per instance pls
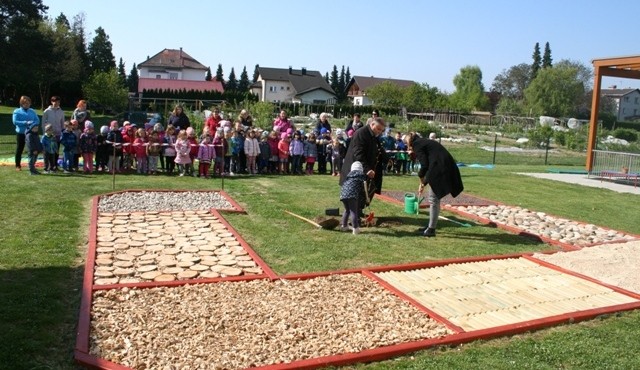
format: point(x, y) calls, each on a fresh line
point(426, 41)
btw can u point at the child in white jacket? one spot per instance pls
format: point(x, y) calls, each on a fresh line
point(252, 151)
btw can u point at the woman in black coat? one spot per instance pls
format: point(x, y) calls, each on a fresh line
point(439, 170)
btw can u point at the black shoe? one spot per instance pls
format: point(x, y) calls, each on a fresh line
point(429, 233)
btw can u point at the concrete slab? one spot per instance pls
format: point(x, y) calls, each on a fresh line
point(584, 180)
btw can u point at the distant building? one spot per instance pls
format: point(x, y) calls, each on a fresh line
point(627, 102)
point(357, 88)
point(175, 69)
point(292, 85)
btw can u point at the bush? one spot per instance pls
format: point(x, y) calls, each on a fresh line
point(539, 136)
point(560, 138)
point(424, 128)
point(626, 134)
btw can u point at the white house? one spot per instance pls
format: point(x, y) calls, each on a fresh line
point(174, 69)
point(627, 102)
point(292, 85)
point(357, 87)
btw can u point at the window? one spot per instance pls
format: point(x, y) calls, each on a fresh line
point(281, 88)
point(626, 99)
point(272, 88)
point(158, 77)
point(173, 76)
point(289, 89)
point(636, 100)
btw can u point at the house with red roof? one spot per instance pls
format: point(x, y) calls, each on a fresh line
point(175, 70)
point(357, 87)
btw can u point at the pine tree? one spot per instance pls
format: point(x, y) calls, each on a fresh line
point(219, 75)
point(122, 73)
point(243, 85)
point(132, 79)
point(334, 80)
point(80, 44)
point(209, 77)
point(546, 57)
point(347, 77)
point(256, 73)
point(326, 76)
point(341, 85)
point(537, 62)
point(232, 83)
point(101, 57)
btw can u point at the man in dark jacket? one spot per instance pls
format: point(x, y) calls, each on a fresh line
point(439, 170)
point(364, 149)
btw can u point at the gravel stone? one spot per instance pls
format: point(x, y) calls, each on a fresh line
point(162, 201)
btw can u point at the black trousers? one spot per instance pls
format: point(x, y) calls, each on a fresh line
point(20, 141)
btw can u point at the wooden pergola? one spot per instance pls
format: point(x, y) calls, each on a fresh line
point(624, 67)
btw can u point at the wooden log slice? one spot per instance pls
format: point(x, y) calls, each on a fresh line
point(106, 238)
point(105, 225)
point(157, 222)
point(139, 237)
point(123, 264)
point(217, 268)
point(104, 261)
point(125, 257)
point(185, 264)
point(135, 243)
point(231, 271)
point(225, 235)
point(244, 258)
point(140, 225)
point(230, 239)
point(147, 268)
point(168, 242)
point(205, 253)
point(187, 274)
point(152, 235)
point(221, 251)
point(209, 274)
point(150, 275)
point(119, 229)
point(154, 248)
point(171, 251)
point(204, 230)
point(146, 262)
point(129, 280)
point(148, 256)
point(164, 278)
point(156, 228)
point(199, 268)
point(227, 262)
point(172, 270)
point(135, 251)
point(191, 249)
point(107, 281)
point(232, 243)
point(167, 262)
point(124, 272)
point(199, 242)
point(103, 274)
point(239, 252)
point(218, 226)
point(119, 221)
point(246, 264)
point(106, 214)
point(105, 268)
point(252, 270)
point(226, 257)
point(208, 263)
point(207, 247)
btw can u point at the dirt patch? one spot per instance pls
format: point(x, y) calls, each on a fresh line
point(461, 200)
point(615, 264)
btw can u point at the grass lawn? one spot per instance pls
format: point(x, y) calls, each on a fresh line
point(46, 226)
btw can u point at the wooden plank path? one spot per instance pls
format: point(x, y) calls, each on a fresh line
point(486, 294)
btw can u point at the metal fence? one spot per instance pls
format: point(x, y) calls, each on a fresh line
point(608, 164)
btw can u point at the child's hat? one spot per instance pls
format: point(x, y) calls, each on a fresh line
point(356, 166)
point(88, 124)
point(339, 132)
point(158, 127)
point(323, 130)
point(284, 135)
point(104, 130)
point(189, 130)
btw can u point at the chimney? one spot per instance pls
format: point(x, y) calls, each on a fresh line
point(304, 71)
point(181, 60)
point(290, 70)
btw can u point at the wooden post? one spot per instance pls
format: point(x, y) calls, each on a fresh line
point(593, 122)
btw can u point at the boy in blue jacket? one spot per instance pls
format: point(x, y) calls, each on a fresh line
point(50, 149)
point(70, 142)
point(34, 147)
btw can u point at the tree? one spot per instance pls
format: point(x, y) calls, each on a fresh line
point(511, 83)
point(557, 92)
point(421, 97)
point(121, 73)
point(208, 77)
point(537, 61)
point(220, 76)
point(104, 88)
point(256, 73)
point(546, 57)
point(334, 80)
point(469, 94)
point(347, 77)
point(386, 94)
point(243, 85)
point(101, 57)
point(232, 83)
point(19, 39)
point(80, 44)
point(326, 76)
point(341, 86)
point(132, 79)
point(63, 64)
point(511, 106)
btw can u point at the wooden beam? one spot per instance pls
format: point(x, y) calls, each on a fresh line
point(624, 73)
point(619, 62)
point(593, 121)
